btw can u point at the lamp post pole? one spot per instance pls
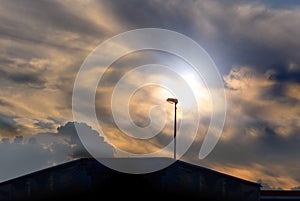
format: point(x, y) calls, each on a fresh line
point(174, 101)
point(175, 128)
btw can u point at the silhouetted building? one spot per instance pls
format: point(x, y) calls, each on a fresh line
point(280, 195)
point(87, 178)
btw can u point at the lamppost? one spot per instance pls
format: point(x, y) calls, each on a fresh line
point(174, 101)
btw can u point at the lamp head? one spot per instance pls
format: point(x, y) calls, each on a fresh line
point(172, 100)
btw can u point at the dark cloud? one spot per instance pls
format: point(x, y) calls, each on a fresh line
point(56, 121)
point(287, 76)
point(52, 13)
point(45, 125)
point(43, 17)
point(69, 131)
point(4, 103)
point(20, 156)
point(8, 126)
point(167, 14)
point(269, 148)
point(261, 133)
point(28, 79)
point(238, 37)
point(279, 4)
point(277, 91)
point(34, 80)
point(22, 71)
point(265, 154)
point(67, 135)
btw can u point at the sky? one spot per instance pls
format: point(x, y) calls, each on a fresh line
point(254, 44)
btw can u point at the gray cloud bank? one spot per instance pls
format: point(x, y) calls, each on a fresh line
point(21, 156)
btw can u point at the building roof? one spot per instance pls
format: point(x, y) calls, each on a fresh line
point(88, 178)
point(146, 161)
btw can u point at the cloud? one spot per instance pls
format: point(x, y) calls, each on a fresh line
point(26, 78)
point(51, 22)
point(296, 188)
point(265, 186)
point(8, 126)
point(18, 159)
point(4, 103)
point(68, 135)
point(233, 33)
point(38, 65)
point(69, 131)
point(22, 72)
point(21, 155)
point(280, 4)
point(262, 127)
point(251, 172)
point(254, 96)
point(143, 100)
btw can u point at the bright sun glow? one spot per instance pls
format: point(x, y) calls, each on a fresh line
point(200, 94)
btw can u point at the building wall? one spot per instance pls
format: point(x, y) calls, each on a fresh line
point(88, 178)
